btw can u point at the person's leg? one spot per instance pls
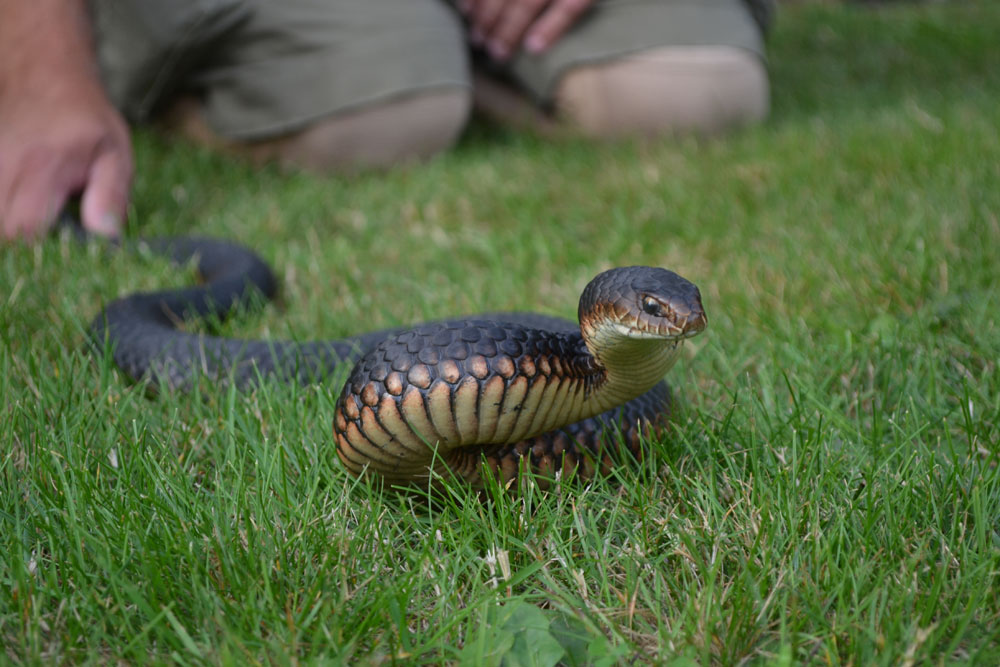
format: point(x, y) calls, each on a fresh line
point(645, 67)
point(414, 126)
point(706, 89)
point(304, 82)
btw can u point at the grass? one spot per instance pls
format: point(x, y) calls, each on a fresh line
point(829, 494)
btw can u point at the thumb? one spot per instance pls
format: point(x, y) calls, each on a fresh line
point(105, 196)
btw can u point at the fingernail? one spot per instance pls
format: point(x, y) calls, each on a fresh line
point(534, 44)
point(498, 50)
point(109, 225)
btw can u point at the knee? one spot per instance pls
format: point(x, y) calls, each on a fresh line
point(403, 130)
point(671, 89)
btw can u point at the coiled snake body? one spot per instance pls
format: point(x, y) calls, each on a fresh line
point(505, 388)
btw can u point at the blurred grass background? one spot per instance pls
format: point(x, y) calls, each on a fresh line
point(829, 494)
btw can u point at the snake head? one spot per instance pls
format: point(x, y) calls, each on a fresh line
point(643, 302)
point(671, 306)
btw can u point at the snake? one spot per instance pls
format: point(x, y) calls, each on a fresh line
point(486, 395)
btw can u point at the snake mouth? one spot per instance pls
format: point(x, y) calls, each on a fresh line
point(665, 332)
point(633, 333)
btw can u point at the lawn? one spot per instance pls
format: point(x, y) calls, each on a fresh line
point(829, 491)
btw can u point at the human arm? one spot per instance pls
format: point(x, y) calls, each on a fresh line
point(59, 134)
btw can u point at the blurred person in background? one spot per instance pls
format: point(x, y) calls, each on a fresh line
point(340, 84)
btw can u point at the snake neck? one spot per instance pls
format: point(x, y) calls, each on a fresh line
point(623, 368)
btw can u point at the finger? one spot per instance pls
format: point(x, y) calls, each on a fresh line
point(6, 176)
point(33, 204)
point(557, 18)
point(105, 196)
point(511, 27)
point(482, 17)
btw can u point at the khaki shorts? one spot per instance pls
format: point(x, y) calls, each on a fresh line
point(265, 68)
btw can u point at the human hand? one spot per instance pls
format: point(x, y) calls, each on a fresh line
point(59, 135)
point(50, 152)
point(503, 26)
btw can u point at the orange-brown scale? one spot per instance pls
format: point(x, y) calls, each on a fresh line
point(421, 380)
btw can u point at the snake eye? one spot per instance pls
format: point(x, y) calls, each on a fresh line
point(651, 306)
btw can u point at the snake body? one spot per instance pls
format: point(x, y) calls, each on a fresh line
point(507, 389)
